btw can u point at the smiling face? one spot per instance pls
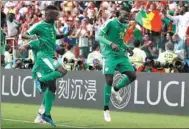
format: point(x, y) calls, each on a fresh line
point(123, 16)
point(51, 14)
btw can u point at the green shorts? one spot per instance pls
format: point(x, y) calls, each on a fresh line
point(47, 64)
point(122, 64)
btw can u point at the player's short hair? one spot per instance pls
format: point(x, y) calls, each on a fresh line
point(118, 12)
point(136, 43)
point(51, 7)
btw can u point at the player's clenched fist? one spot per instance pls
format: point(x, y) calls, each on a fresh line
point(114, 47)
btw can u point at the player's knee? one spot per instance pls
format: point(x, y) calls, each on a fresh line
point(132, 77)
point(62, 70)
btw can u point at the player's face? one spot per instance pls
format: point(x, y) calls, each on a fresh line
point(52, 15)
point(123, 18)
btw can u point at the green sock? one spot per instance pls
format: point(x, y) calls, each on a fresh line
point(107, 94)
point(43, 101)
point(124, 82)
point(52, 76)
point(49, 99)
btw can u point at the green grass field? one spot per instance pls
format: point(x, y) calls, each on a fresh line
point(22, 116)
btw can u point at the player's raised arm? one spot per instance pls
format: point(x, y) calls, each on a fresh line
point(28, 36)
point(32, 32)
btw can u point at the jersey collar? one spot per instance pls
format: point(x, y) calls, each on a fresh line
point(118, 21)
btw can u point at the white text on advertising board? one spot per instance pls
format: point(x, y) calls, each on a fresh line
point(77, 89)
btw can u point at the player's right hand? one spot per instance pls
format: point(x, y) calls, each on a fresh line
point(114, 47)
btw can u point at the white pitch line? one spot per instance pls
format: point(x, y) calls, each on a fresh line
point(24, 121)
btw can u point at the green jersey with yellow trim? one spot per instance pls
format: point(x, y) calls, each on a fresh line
point(47, 37)
point(112, 32)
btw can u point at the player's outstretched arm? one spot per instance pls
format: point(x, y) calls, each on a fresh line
point(29, 37)
point(103, 40)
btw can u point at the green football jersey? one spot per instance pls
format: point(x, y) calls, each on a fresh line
point(34, 44)
point(47, 37)
point(112, 32)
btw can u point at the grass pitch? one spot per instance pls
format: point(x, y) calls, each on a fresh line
point(22, 116)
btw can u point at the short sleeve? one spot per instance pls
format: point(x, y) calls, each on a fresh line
point(34, 29)
point(106, 26)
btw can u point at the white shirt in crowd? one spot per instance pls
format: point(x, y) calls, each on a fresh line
point(166, 57)
point(138, 57)
point(94, 55)
point(181, 21)
point(12, 28)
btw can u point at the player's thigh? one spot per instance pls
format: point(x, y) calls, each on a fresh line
point(124, 65)
point(109, 65)
point(48, 64)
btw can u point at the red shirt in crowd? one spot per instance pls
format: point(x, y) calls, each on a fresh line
point(187, 36)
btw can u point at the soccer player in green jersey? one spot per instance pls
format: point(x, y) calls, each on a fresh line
point(34, 46)
point(45, 61)
point(111, 38)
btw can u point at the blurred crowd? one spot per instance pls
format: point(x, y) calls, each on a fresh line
point(163, 51)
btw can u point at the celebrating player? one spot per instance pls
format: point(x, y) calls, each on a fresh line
point(46, 68)
point(114, 50)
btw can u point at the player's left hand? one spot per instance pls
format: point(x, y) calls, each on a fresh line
point(130, 51)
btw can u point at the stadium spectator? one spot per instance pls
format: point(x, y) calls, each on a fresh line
point(94, 59)
point(139, 55)
point(150, 66)
point(179, 46)
point(79, 64)
point(168, 55)
point(8, 57)
point(148, 46)
point(12, 26)
point(181, 21)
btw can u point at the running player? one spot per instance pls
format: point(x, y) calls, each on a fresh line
point(34, 46)
point(111, 38)
point(45, 61)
